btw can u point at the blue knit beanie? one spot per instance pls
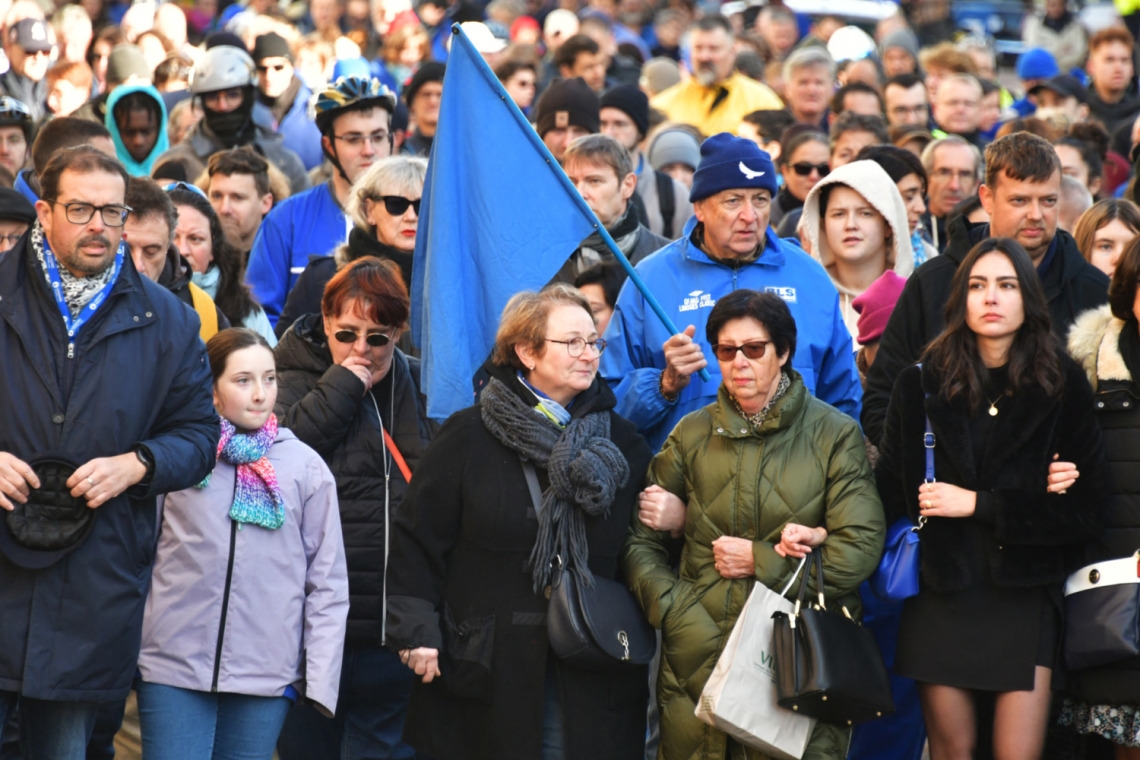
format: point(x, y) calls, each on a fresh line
point(1037, 63)
point(729, 163)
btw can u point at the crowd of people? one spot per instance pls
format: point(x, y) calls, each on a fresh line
point(230, 528)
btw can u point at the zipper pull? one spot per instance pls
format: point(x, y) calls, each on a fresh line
point(71, 350)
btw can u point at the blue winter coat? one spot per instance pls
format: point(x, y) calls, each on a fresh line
point(300, 132)
point(139, 375)
point(687, 283)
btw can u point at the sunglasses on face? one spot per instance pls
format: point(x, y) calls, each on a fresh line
point(754, 350)
point(804, 169)
point(397, 205)
point(376, 340)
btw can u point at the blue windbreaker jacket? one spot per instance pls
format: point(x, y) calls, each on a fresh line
point(688, 282)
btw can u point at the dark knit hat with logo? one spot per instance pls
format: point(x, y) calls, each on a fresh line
point(731, 163)
point(632, 102)
point(565, 103)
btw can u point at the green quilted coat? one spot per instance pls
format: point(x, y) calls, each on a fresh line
point(806, 464)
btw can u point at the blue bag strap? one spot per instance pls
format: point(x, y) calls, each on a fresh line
point(928, 443)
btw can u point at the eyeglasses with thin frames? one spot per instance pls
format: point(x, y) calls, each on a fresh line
point(113, 214)
point(354, 140)
point(754, 349)
point(577, 346)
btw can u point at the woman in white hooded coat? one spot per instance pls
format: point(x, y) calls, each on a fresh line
point(855, 223)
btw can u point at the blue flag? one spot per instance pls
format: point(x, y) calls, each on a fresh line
point(499, 216)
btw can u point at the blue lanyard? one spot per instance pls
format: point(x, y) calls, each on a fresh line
point(55, 282)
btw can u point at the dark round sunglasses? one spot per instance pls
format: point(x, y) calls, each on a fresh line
point(803, 168)
point(397, 205)
point(376, 340)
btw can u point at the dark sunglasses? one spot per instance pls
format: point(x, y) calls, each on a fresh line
point(754, 350)
point(803, 169)
point(376, 340)
point(397, 205)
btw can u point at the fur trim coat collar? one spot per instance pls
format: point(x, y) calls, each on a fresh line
point(1094, 341)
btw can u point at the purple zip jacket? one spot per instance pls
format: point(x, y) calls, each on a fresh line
point(282, 594)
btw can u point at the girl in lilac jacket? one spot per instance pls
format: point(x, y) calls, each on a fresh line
point(249, 596)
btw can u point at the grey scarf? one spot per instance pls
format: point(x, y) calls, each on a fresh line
point(624, 232)
point(585, 470)
point(77, 291)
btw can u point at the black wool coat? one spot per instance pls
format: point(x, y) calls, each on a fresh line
point(1072, 286)
point(325, 406)
point(461, 582)
point(1039, 537)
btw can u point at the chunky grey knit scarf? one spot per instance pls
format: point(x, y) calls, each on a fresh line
point(585, 470)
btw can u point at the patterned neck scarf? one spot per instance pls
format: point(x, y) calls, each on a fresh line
point(756, 420)
point(77, 291)
point(257, 496)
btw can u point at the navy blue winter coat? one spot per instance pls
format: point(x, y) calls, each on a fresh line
point(139, 375)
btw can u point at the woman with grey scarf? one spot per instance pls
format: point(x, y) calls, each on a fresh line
point(472, 551)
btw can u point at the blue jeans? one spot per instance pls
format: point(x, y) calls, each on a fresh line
point(369, 724)
point(182, 724)
point(51, 730)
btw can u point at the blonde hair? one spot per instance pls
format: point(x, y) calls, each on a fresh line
point(395, 175)
point(525, 317)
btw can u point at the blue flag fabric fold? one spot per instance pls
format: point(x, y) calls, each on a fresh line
point(498, 217)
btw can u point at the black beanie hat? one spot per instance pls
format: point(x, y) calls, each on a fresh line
point(432, 71)
point(14, 207)
point(631, 101)
point(565, 103)
point(271, 45)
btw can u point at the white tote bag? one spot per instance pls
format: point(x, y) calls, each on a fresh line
point(740, 696)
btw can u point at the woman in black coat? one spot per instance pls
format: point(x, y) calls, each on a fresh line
point(349, 393)
point(471, 559)
point(1106, 341)
point(1002, 400)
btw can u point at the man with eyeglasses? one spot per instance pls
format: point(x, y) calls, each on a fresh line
point(953, 169)
point(28, 46)
point(906, 104)
point(354, 116)
point(1021, 194)
point(957, 108)
point(726, 246)
point(223, 84)
point(107, 399)
point(286, 97)
point(423, 94)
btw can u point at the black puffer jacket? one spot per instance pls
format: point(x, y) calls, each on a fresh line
point(1072, 286)
point(326, 406)
point(1094, 342)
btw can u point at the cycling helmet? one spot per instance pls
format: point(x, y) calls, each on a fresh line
point(222, 68)
point(15, 113)
point(349, 92)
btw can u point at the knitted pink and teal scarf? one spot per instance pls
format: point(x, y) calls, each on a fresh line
point(257, 496)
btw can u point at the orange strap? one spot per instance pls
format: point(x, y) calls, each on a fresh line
point(397, 456)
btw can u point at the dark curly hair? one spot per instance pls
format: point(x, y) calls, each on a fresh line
point(234, 298)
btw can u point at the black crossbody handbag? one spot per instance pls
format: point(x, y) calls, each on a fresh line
point(599, 628)
point(827, 665)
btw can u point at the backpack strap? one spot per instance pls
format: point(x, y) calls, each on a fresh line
point(207, 312)
point(668, 201)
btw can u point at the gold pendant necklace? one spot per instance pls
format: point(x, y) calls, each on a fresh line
point(993, 405)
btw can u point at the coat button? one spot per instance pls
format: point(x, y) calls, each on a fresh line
point(1100, 405)
point(57, 419)
point(720, 430)
point(136, 319)
point(743, 431)
point(149, 314)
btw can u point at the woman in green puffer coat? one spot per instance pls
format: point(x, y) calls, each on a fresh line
point(769, 473)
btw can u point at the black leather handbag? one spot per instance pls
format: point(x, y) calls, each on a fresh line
point(827, 665)
point(600, 627)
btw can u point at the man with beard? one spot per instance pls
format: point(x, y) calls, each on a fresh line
point(1021, 194)
point(223, 83)
point(29, 56)
point(716, 98)
point(287, 97)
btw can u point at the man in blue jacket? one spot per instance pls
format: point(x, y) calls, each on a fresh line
point(107, 401)
point(355, 118)
point(281, 91)
point(726, 246)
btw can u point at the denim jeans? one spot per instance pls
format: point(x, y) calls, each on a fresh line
point(182, 724)
point(369, 724)
point(51, 730)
